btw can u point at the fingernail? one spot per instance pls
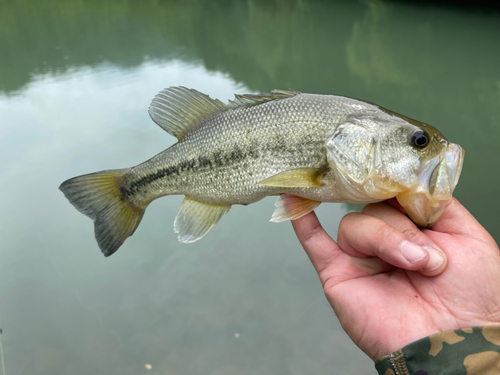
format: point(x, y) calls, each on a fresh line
point(436, 258)
point(412, 252)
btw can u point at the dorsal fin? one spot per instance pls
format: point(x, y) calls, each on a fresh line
point(249, 100)
point(178, 109)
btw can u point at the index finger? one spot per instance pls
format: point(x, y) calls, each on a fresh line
point(319, 246)
point(373, 233)
point(332, 264)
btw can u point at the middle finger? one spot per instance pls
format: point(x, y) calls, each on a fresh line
point(382, 231)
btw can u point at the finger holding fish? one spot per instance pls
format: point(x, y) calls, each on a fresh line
point(384, 232)
point(366, 246)
point(351, 259)
point(331, 262)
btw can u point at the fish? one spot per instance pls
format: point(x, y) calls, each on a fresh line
point(303, 148)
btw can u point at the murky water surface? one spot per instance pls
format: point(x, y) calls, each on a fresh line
point(76, 78)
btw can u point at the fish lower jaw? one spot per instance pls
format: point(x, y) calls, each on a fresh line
point(423, 209)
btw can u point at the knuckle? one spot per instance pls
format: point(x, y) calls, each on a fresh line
point(411, 233)
point(367, 209)
point(311, 235)
point(370, 208)
point(350, 216)
point(329, 284)
point(330, 280)
point(387, 235)
point(346, 220)
point(385, 231)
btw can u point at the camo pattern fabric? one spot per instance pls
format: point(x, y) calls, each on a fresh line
point(468, 351)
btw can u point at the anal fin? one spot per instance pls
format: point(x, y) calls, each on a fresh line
point(299, 177)
point(291, 207)
point(195, 219)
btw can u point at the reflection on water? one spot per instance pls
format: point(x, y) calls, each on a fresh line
point(76, 79)
point(247, 292)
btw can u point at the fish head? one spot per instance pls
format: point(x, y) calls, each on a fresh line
point(384, 155)
point(437, 176)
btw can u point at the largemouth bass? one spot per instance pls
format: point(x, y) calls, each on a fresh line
point(317, 148)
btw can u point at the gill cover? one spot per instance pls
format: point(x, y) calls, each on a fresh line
point(352, 153)
point(373, 164)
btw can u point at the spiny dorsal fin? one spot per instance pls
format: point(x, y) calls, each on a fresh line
point(195, 219)
point(249, 100)
point(291, 207)
point(300, 177)
point(178, 109)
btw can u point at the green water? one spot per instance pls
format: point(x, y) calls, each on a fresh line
point(76, 78)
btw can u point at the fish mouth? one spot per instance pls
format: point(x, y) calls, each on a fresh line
point(437, 178)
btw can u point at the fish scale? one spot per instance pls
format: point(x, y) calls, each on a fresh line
point(260, 141)
point(317, 148)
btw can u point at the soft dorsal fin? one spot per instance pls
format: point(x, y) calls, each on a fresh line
point(291, 207)
point(249, 100)
point(178, 109)
point(196, 218)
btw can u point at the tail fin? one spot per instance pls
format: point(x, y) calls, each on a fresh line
point(98, 196)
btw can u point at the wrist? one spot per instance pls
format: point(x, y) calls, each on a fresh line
point(478, 349)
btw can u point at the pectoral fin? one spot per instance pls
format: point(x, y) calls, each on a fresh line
point(300, 177)
point(195, 219)
point(290, 207)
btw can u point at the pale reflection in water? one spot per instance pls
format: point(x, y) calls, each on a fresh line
point(156, 299)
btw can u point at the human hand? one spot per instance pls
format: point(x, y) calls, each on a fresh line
point(385, 301)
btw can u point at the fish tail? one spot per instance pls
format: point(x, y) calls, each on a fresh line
point(98, 196)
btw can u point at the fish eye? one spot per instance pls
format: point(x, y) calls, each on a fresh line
point(420, 139)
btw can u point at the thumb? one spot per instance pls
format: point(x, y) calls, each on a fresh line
point(457, 220)
point(319, 246)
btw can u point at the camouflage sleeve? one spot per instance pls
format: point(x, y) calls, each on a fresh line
point(468, 351)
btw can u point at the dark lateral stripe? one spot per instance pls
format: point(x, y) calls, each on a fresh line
point(215, 160)
point(194, 165)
